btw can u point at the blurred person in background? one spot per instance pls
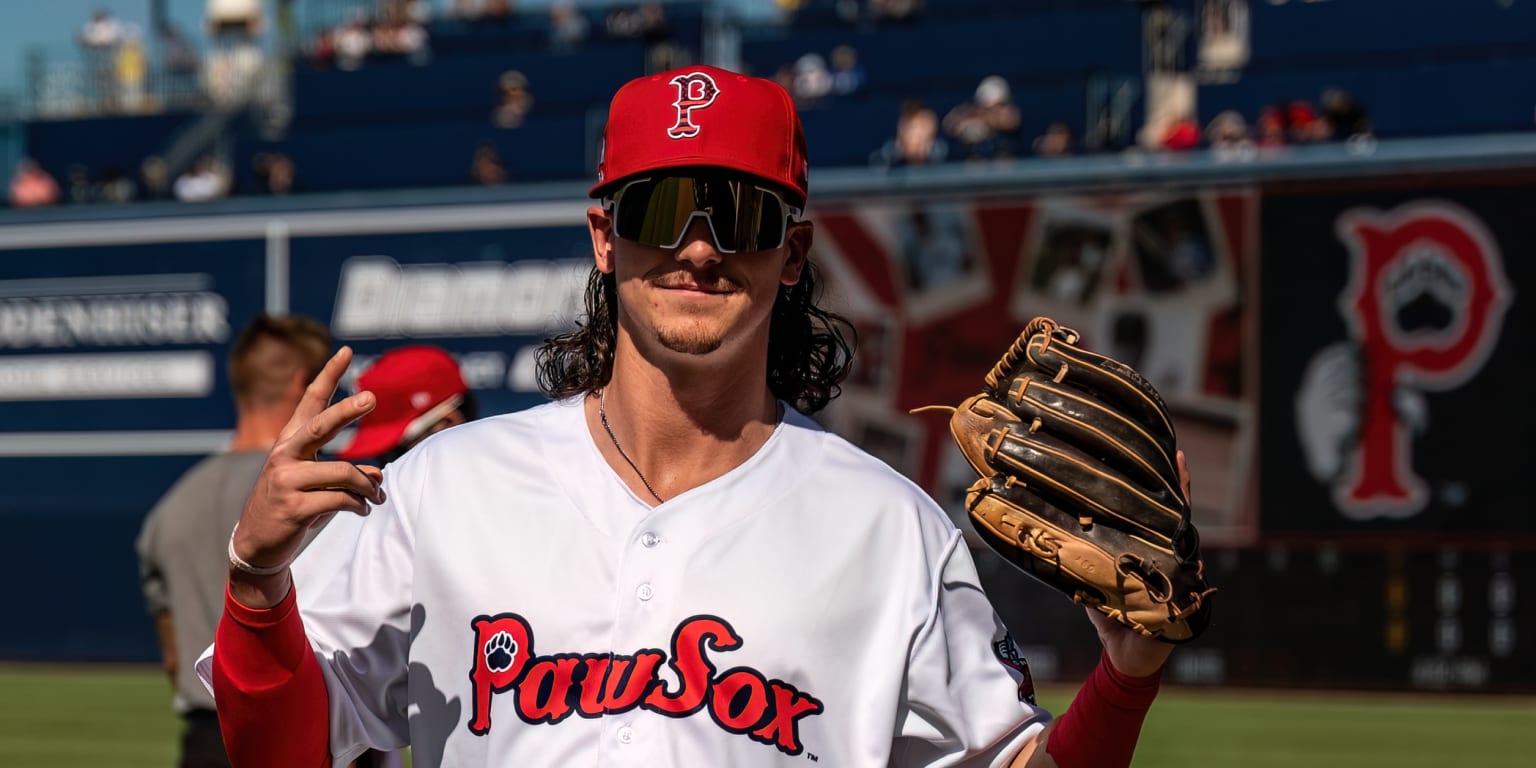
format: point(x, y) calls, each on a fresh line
point(207, 179)
point(917, 139)
point(274, 172)
point(986, 126)
point(1227, 135)
point(568, 27)
point(1344, 116)
point(132, 70)
point(156, 178)
point(1055, 142)
point(99, 39)
point(513, 100)
point(181, 547)
point(32, 187)
point(420, 393)
point(812, 80)
point(847, 72)
point(486, 168)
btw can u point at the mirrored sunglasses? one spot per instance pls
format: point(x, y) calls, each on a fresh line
point(743, 216)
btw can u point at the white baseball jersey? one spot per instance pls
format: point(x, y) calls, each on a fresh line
point(514, 603)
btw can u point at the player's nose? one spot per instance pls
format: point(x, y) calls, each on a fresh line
point(698, 247)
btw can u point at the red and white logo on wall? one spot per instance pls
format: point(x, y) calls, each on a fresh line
point(1424, 307)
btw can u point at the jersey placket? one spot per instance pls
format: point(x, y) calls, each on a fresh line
point(640, 610)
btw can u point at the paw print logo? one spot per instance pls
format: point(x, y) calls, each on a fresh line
point(500, 651)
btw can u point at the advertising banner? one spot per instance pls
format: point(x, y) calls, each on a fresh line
point(940, 288)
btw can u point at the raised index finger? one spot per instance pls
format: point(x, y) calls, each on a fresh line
point(319, 392)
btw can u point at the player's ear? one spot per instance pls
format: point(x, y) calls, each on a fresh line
point(797, 243)
point(600, 225)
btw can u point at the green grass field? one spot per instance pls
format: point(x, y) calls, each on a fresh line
point(83, 717)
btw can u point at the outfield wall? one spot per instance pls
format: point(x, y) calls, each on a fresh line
point(1332, 328)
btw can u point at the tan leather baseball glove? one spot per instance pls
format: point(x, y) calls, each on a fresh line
point(1080, 483)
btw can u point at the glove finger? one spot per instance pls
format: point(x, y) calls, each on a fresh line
point(1107, 379)
point(1074, 480)
point(1080, 419)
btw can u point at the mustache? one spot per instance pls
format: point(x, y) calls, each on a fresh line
point(707, 281)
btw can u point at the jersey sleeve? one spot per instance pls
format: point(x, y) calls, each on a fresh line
point(968, 700)
point(354, 588)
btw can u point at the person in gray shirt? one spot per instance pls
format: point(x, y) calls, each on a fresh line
point(182, 560)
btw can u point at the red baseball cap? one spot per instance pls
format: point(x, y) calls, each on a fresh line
point(703, 116)
point(415, 387)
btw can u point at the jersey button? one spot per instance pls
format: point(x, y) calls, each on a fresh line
point(650, 539)
point(626, 735)
point(645, 592)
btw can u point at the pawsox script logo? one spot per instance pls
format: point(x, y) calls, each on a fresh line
point(548, 689)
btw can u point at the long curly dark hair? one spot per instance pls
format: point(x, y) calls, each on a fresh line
point(810, 349)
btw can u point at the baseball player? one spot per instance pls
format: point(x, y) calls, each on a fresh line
point(419, 391)
point(670, 564)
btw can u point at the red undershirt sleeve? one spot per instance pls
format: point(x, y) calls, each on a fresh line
point(271, 696)
point(1101, 727)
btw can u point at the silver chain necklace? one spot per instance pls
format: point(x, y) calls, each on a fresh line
point(602, 415)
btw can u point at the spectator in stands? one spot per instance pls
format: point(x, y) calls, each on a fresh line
point(1272, 127)
point(156, 178)
point(917, 139)
point(32, 187)
point(987, 126)
point(468, 10)
point(353, 43)
point(847, 73)
point(274, 172)
point(235, 60)
point(622, 23)
point(486, 169)
point(1344, 117)
point(1304, 124)
point(99, 39)
point(1227, 135)
point(812, 80)
point(568, 27)
point(83, 189)
point(396, 34)
point(496, 10)
point(131, 69)
point(1055, 142)
point(514, 101)
point(1182, 133)
point(917, 135)
point(894, 10)
point(207, 179)
point(116, 187)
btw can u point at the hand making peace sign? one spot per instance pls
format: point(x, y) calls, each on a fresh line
point(295, 491)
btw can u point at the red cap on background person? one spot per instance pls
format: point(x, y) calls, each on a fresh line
point(418, 388)
point(703, 117)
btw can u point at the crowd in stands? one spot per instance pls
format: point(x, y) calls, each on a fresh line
point(126, 71)
point(206, 179)
point(397, 31)
point(995, 123)
point(401, 29)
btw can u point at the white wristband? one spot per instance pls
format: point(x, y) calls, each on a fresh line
point(255, 570)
